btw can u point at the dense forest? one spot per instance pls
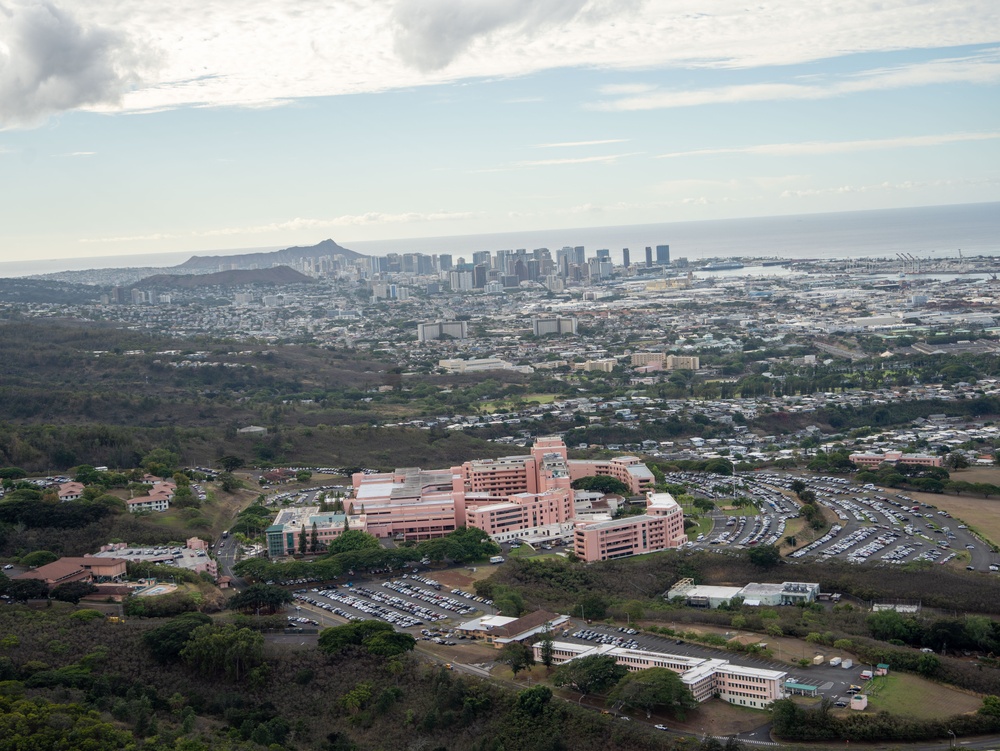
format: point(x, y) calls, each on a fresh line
point(77, 679)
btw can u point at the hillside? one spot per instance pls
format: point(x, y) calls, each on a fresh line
point(279, 275)
point(264, 260)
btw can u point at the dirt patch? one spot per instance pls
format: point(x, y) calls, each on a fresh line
point(716, 717)
point(462, 578)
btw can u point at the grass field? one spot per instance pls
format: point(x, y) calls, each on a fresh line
point(704, 526)
point(527, 399)
point(911, 696)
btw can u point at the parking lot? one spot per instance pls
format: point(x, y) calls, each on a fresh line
point(407, 602)
point(873, 524)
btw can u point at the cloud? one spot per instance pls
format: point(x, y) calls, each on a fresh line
point(128, 238)
point(982, 68)
point(50, 62)
point(906, 185)
point(580, 143)
point(529, 164)
point(429, 34)
point(808, 148)
point(258, 53)
point(607, 158)
point(347, 220)
point(299, 223)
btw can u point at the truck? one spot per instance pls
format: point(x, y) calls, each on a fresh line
point(866, 675)
point(819, 660)
point(847, 664)
point(834, 661)
point(496, 559)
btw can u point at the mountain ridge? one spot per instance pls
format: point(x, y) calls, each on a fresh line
point(293, 254)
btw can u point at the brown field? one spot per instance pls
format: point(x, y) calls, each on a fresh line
point(982, 514)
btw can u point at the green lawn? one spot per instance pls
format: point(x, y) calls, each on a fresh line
point(912, 696)
point(704, 527)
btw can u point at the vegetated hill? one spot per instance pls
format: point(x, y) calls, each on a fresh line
point(279, 275)
point(46, 291)
point(258, 260)
point(300, 699)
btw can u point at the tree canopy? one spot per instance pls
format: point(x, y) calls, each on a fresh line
point(589, 675)
point(655, 687)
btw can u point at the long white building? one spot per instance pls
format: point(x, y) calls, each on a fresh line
point(736, 684)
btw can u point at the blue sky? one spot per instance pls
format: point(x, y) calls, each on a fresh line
point(143, 126)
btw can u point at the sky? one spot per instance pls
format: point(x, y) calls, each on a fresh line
point(146, 126)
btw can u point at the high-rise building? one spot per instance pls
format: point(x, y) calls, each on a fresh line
point(579, 256)
point(545, 325)
point(603, 254)
point(482, 257)
point(663, 255)
point(444, 262)
point(649, 256)
point(625, 258)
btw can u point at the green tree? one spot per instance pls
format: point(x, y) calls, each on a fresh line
point(534, 700)
point(593, 606)
point(72, 591)
point(230, 463)
point(517, 655)
point(602, 484)
point(389, 643)
point(302, 540)
point(338, 639)
point(351, 540)
point(260, 598)
point(955, 460)
point(229, 482)
point(166, 642)
point(928, 665)
point(991, 706)
point(160, 462)
point(314, 539)
point(589, 675)
point(229, 651)
point(547, 650)
point(39, 558)
point(764, 556)
point(22, 590)
point(654, 687)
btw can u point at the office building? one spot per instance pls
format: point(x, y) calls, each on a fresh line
point(660, 528)
point(559, 325)
point(663, 255)
point(442, 330)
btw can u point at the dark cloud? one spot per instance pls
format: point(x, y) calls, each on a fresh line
point(431, 33)
point(50, 63)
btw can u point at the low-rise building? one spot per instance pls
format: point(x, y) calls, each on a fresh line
point(745, 686)
point(84, 569)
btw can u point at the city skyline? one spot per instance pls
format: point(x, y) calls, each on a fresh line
point(273, 125)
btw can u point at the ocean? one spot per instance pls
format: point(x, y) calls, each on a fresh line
point(927, 232)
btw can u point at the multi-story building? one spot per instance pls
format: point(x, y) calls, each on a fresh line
point(660, 528)
point(705, 677)
point(682, 362)
point(647, 358)
point(513, 496)
point(543, 326)
point(896, 457)
point(627, 469)
point(442, 330)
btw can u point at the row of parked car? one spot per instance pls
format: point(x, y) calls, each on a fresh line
point(431, 598)
point(602, 638)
